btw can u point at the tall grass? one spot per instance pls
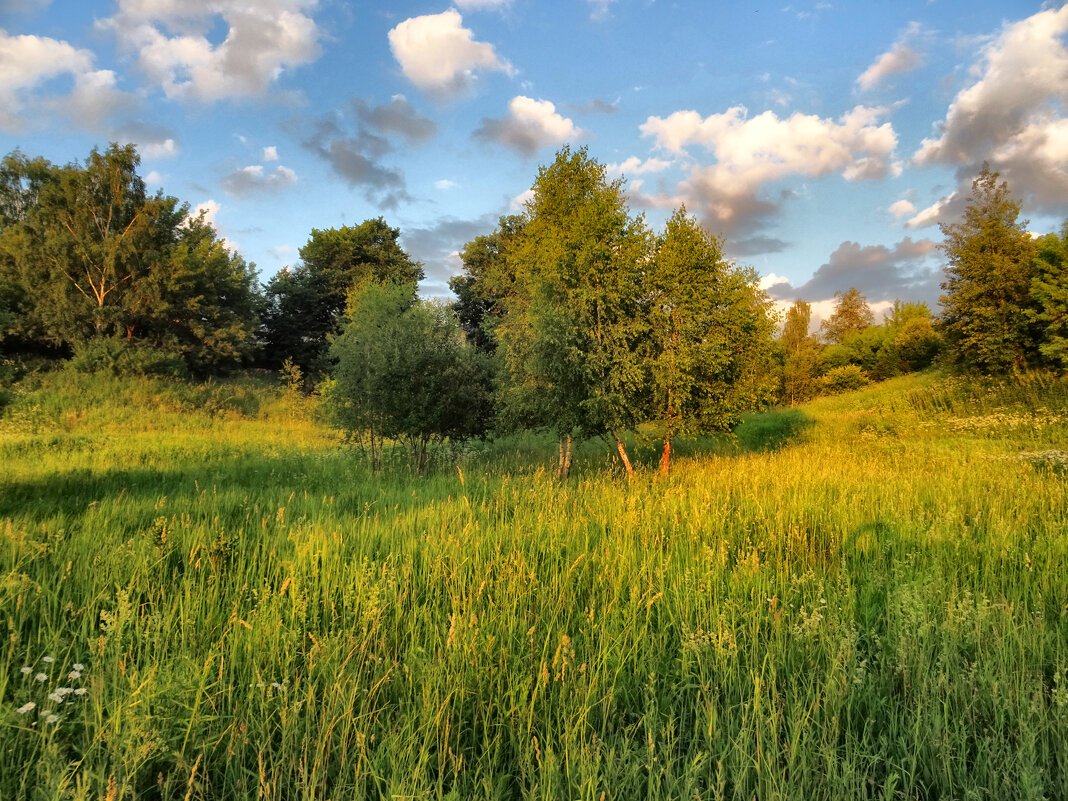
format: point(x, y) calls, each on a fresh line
point(864, 598)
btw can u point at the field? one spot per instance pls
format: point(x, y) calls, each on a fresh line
point(866, 597)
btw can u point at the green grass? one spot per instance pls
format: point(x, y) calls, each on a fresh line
point(863, 598)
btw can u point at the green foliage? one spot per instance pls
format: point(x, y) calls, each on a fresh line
point(404, 372)
point(574, 325)
point(120, 357)
point(988, 281)
point(86, 254)
point(1049, 290)
point(710, 334)
point(843, 379)
point(851, 315)
point(305, 305)
point(487, 282)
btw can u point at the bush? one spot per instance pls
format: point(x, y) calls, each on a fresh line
point(121, 358)
point(843, 379)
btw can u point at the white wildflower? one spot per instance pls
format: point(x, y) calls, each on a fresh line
point(26, 671)
point(52, 719)
point(47, 659)
point(81, 691)
point(74, 674)
point(79, 666)
point(27, 707)
point(41, 677)
point(55, 696)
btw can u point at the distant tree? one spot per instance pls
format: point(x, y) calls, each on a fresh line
point(404, 372)
point(795, 326)
point(851, 314)
point(304, 305)
point(486, 282)
point(573, 330)
point(801, 355)
point(1049, 292)
point(86, 254)
point(988, 281)
point(710, 332)
point(915, 339)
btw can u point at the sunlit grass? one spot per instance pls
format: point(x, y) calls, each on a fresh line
point(864, 598)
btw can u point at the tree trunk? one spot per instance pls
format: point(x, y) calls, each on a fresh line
point(665, 457)
point(623, 455)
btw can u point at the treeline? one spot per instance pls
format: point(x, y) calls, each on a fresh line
point(573, 316)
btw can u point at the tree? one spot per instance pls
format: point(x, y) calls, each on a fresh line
point(574, 326)
point(710, 334)
point(86, 254)
point(988, 280)
point(1049, 292)
point(403, 371)
point(486, 283)
point(801, 354)
point(851, 314)
point(304, 306)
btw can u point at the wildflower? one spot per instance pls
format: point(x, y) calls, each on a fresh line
point(26, 671)
point(52, 719)
point(55, 696)
point(47, 659)
point(27, 707)
point(64, 690)
point(81, 691)
point(74, 674)
point(41, 677)
point(79, 666)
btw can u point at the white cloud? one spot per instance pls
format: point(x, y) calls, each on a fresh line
point(635, 166)
point(898, 59)
point(440, 56)
point(751, 152)
point(901, 208)
point(210, 210)
point(1012, 115)
point(270, 153)
point(255, 180)
point(529, 126)
point(520, 201)
point(157, 150)
point(174, 51)
point(154, 178)
point(444, 183)
point(27, 63)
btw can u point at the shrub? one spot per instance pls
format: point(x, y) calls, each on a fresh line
point(121, 358)
point(843, 379)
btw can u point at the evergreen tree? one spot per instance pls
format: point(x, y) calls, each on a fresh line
point(989, 274)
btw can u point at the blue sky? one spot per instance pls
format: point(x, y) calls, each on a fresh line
point(824, 140)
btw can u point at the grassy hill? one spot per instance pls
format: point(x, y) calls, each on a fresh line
point(863, 598)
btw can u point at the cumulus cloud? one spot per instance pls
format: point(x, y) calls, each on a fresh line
point(270, 153)
point(635, 166)
point(440, 56)
point(529, 126)
point(882, 274)
point(28, 63)
point(752, 152)
point(255, 180)
point(153, 141)
point(396, 117)
point(901, 208)
point(174, 51)
point(900, 58)
point(1012, 115)
point(210, 210)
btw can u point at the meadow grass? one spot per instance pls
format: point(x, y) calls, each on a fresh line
point(866, 597)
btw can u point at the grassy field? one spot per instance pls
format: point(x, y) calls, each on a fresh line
point(207, 596)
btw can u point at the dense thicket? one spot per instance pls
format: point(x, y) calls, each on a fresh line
point(87, 255)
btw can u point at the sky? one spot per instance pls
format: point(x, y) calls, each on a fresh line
point(824, 140)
